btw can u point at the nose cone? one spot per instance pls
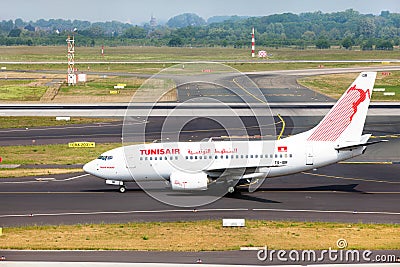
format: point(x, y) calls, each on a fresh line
point(90, 168)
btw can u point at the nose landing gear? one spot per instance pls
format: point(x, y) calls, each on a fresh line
point(122, 187)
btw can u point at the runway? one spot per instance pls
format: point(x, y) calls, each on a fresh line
point(200, 129)
point(341, 192)
point(357, 192)
point(139, 258)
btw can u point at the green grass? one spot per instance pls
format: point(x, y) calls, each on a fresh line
point(143, 53)
point(201, 236)
point(152, 68)
point(334, 85)
point(21, 172)
point(101, 87)
point(21, 92)
point(269, 66)
point(52, 154)
point(29, 122)
point(5, 83)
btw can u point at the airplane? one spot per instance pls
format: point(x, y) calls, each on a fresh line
point(195, 166)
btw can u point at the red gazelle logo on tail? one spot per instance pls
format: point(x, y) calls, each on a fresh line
point(340, 117)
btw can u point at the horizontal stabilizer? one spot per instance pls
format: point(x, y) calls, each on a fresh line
point(359, 145)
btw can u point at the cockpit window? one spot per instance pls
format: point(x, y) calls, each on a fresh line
point(105, 157)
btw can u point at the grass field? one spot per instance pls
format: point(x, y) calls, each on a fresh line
point(153, 68)
point(29, 122)
point(52, 154)
point(21, 91)
point(14, 173)
point(201, 236)
point(98, 89)
point(333, 85)
point(101, 86)
point(146, 53)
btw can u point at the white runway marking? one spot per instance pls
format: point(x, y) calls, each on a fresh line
point(332, 211)
point(194, 211)
point(45, 179)
point(118, 212)
point(72, 178)
point(61, 128)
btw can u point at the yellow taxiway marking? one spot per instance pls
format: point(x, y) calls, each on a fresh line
point(350, 178)
point(249, 93)
point(283, 126)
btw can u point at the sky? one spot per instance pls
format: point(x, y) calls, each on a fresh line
point(137, 12)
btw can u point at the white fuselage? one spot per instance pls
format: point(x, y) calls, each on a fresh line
point(157, 161)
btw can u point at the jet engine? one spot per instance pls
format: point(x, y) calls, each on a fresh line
point(188, 181)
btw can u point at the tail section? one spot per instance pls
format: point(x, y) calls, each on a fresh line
point(345, 121)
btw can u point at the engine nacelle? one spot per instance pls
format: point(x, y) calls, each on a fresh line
point(188, 181)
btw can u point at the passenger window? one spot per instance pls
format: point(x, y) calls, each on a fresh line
point(151, 158)
point(261, 156)
point(187, 157)
point(191, 157)
point(141, 158)
point(176, 157)
point(280, 155)
point(241, 156)
point(216, 157)
point(227, 156)
point(290, 155)
point(237, 156)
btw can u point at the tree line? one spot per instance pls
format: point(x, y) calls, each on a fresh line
point(346, 29)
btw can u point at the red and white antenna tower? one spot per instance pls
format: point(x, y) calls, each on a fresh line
point(71, 78)
point(253, 44)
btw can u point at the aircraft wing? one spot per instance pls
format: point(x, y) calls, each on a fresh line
point(240, 173)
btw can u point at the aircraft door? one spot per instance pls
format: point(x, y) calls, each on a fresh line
point(309, 154)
